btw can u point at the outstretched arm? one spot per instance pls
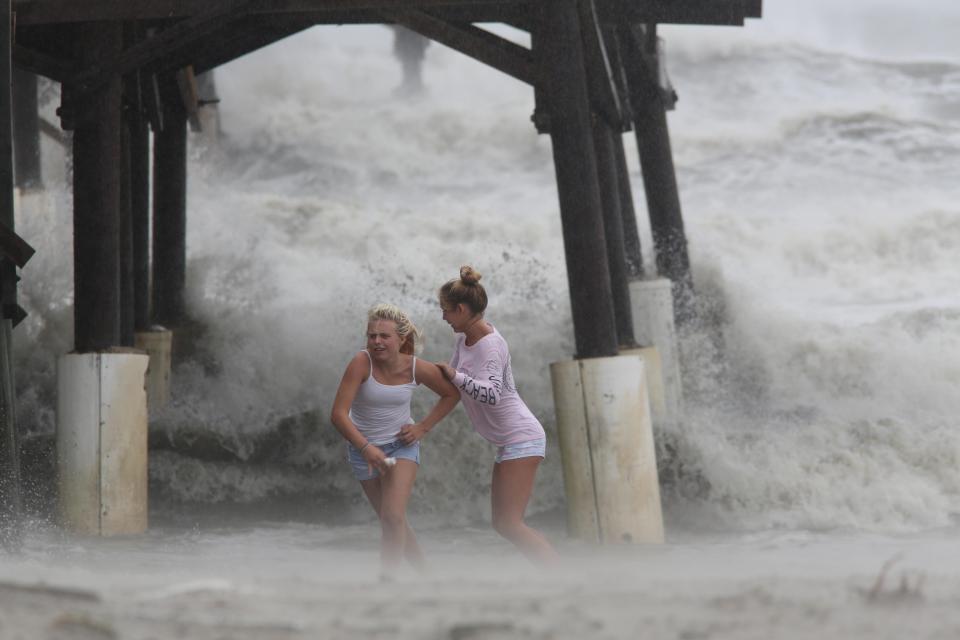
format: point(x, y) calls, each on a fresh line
point(428, 374)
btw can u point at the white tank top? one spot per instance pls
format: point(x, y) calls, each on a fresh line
point(380, 410)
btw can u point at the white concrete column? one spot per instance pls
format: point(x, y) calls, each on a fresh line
point(582, 521)
point(651, 304)
point(654, 376)
point(605, 402)
point(157, 342)
point(102, 442)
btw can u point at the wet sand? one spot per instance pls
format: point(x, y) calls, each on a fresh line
point(285, 581)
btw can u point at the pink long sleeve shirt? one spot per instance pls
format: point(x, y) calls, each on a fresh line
point(485, 381)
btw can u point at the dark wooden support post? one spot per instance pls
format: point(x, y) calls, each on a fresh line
point(96, 197)
point(126, 239)
point(170, 212)
point(609, 35)
point(608, 120)
point(609, 183)
point(659, 176)
point(26, 131)
point(140, 209)
point(10, 498)
point(631, 236)
point(558, 49)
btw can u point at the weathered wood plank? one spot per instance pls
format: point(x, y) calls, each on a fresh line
point(31, 12)
point(96, 198)
point(245, 37)
point(43, 64)
point(59, 11)
point(165, 42)
point(704, 12)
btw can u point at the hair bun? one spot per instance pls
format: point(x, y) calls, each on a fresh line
point(468, 275)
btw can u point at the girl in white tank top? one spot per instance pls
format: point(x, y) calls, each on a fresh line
point(380, 410)
point(372, 412)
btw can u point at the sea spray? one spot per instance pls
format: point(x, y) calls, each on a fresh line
point(819, 199)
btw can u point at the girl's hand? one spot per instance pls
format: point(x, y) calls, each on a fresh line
point(411, 433)
point(447, 371)
point(375, 458)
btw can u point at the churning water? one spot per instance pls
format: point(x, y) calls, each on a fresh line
point(817, 155)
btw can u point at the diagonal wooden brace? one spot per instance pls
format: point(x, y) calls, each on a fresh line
point(490, 49)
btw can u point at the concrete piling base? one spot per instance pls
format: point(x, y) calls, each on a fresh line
point(102, 442)
point(158, 343)
point(653, 325)
point(653, 368)
point(607, 449)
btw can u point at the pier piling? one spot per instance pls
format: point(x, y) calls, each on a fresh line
point(101, 403)
point(170, 211)
point(26, 131)
point(613, 227)
point(560, 54)
point(10, 496)
point(656, 163)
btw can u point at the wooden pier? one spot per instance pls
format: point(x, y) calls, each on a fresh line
point(127, 67)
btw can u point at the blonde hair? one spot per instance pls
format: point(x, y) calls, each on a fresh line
point(465, 290)
point(410, 336)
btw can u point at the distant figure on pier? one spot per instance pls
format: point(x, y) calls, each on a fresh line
point(372, 408)
point(410, 47)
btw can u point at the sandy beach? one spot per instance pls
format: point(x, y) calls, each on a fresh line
point(299, 580)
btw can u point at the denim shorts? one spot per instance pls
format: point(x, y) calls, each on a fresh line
point(394, 449)
point(530, 449)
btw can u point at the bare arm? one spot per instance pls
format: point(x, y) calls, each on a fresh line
point(429, 375)
point(353, 377)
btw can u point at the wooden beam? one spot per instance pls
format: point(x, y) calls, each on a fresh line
point(631, 236)
point(54, 132)
point(490, 49)
point(245, 36)
point(27, 171)
point(703, 12)
point(170, 211)
point(722, 12)
point(604, 93)
point(96, 198)
point(258, 30)
point(10, 495)
point(604, 141)
point(163, 43)
point(53, 67)
point(59, 11)
point(222, 42)
point(13, 247)
point(140, 209)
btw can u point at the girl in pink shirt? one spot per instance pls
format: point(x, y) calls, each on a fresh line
point(480, 369)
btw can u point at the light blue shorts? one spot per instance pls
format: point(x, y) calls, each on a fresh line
point(530, 449)
point(395, 449)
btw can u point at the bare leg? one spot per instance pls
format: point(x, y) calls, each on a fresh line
point(394, 492)
point(411, 549)
point(509, 493)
